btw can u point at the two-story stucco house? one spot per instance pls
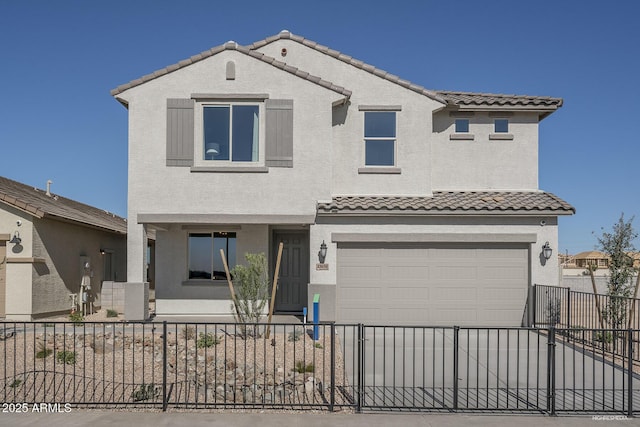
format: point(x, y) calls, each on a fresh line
point(427, 201)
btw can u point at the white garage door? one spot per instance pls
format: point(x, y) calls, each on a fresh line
point(432, 284)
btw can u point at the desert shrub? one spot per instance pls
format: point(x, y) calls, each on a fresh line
point(145, 392)
point(68, 357)
point(251, 283)
point(301, 367)
point(207, 340)
point(112, 313)
point(76, 317)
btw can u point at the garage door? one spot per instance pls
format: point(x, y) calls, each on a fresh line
point(432, 284)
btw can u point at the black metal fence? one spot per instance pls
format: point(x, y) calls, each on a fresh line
point(563, 308)
point(359, 367)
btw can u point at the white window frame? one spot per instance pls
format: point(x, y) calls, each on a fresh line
point(394, 139)
point(199, 147)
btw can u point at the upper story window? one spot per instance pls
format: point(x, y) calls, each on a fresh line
point(380, 138)
point(231, 132)
point(501, 125)
point(462, 125)
point(205, 261)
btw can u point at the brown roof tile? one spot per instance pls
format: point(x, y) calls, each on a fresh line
point(37, 203)
point(233, 46)
point(459, 202)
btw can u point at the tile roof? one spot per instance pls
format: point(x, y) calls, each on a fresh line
point(446, 97)
point(455, 99)
point(233, 46)
point(495, 100)
point(458, 202)
point(37, 203)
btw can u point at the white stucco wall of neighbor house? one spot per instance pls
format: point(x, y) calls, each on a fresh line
point(483, 162)
point(156, 188)
point(540, 272)
point(413, 125)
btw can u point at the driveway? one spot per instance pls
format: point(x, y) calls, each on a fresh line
point(497, 369)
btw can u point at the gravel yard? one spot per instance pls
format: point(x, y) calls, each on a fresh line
point(113, 363)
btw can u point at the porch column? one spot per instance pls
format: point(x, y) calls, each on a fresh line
point(136, 291)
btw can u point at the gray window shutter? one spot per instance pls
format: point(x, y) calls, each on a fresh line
point(180, 132)
point(279, 133)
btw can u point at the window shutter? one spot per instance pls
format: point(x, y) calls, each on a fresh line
point(279, 133)
point(180, 132)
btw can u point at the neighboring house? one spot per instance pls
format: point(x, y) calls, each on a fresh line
point(48, 246)
point(427, 201)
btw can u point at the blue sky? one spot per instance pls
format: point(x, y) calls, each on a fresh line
point(59, 60)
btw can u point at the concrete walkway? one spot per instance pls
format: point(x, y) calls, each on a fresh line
point(81, 418)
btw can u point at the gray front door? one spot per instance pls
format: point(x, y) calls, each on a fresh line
point(291, 295)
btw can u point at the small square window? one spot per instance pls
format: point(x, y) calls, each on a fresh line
point(462, 125)
point(501, 126)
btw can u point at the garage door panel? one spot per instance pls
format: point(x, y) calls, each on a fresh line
point(436, 284)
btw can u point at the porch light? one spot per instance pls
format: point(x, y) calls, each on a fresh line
point(547, 251)
point(323, 252)
point(15, 239)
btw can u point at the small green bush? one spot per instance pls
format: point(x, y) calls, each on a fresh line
point(603, 337)
point(68, 357)
point(112, 313)
point(43, 353)
point(317, 345)
point(76, 317)
point(301, 367)
point(145, 392)
point(15, 383)
point(207, 340)
point(295, 335)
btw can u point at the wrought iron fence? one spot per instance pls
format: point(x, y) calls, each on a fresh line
point(360, 367)
point(563, 308)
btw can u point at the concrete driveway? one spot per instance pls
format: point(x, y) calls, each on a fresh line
point(497, 369)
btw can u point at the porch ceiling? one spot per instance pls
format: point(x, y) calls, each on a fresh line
point(165, 220)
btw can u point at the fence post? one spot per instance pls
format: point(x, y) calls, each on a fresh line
point(332, 398)
point(630, 373)
point(535, 308)
point(360, 391)
point(551, 371)
point(164, 366)
point(456, 332)
point(568, 308)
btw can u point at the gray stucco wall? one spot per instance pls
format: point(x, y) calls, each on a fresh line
point(63, 246)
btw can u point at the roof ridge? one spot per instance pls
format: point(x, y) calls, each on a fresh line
point(287, 35)
point(232, 45)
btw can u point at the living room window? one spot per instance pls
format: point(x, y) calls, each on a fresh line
point(380, 138)
point(205, 261)
point(231, 132)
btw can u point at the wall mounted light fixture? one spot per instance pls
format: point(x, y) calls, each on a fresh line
point(547, 251)
point(323, 252)
point(16, 240)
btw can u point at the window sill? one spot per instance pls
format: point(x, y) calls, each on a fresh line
point(380, 170)
point(461, 137)
point(501, 136)
point(230, 169)
point(204, 282)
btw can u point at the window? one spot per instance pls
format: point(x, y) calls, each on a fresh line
point(231, 132)
point(501, 125)
point(205, 261)
point(462, 125)
point(379, 138)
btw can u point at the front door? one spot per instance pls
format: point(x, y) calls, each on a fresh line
point(291, 294)
point(3, 276)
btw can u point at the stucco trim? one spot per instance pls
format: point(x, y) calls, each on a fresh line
point(462, 137)
point(230, 169)
point(169, 218)
point(231, 96)
point(381, 170)
point(461, 113)
point(434, 237)
point(379, 107)
point(27, 260)
point(500, 136)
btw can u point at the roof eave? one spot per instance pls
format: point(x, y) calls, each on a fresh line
point(447, 213)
